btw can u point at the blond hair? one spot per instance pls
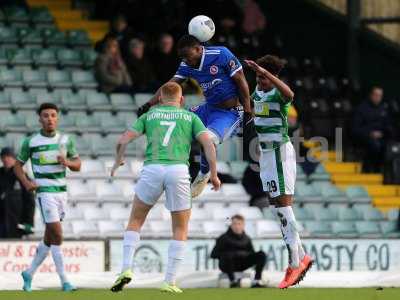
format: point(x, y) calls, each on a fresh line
point(171, 92)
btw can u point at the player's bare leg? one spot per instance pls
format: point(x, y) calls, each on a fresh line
point(202, 178)
point(131, 239)
point(180, 224)
point(299, 262)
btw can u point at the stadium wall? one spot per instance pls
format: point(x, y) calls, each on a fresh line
point(352, 262)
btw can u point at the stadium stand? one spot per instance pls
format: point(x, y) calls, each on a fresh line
point(46, 55)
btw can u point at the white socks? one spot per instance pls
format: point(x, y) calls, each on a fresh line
point(59, 262)
point(175, 256)
point(131, 240)
point(41, 253)
point(290, 235)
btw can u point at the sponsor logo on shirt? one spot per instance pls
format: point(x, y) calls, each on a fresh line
point(213, 70)
point(205, 86)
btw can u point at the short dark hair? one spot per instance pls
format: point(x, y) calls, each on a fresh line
point(47, 105)
point(187, 41)
point(272, 63)
point(237, 217)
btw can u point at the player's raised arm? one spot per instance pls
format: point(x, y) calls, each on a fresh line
point(282, 87)
point(127, 137)
point(211, 155)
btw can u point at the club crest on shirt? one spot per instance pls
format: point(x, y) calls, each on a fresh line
point(213, 70)
point(194, 108)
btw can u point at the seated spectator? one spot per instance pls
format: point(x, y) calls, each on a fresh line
point(139, 67)
point(165, 60)
point(227, 34)
point(17, 206)
point(235, 253)
point(120, 30)
point(372, 127)
point(110, 69)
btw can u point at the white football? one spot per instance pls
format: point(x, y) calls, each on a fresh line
point(201, 27)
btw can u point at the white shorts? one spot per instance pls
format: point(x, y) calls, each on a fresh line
point(173, 179)
point(278, 170)
point(52, 206)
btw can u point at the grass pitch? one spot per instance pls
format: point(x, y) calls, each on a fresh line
point(212, 294)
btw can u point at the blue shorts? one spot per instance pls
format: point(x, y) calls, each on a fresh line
point(222, 122)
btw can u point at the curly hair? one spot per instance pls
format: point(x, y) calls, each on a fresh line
point(272, 63)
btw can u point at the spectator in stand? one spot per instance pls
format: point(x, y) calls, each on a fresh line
point(110, 70)
point(227, 34)
point(236, 253)
point(372, 127)
point(120, 30)
point(17, 205)
point(139, 67)
point(165, 60)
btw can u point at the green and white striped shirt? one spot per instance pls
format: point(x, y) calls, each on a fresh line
point(49, 175)
point(271, 111)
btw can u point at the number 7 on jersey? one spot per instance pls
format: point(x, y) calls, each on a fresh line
point(171, 126)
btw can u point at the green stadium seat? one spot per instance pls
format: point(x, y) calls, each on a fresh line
point(320, 174)
point(47, 97)
point(307, 193)
point(44, 57)
point(267, 213)
point(16, 14)
point(88, 124)
point(97, 101)
point(69, 58)
point(358, 194)
point(300, 173)
point(368, 229)
point(29, 36)
point(389, 229)
point(344, 229)
point(142, 98)
point(40, 14)
point(59, 79)
point(349, 214)
point(8, 35)
point(238, 167)
point(83, 146)
point(393, 214)
point(54, 37)
point(331, 193)
point(19, 57)
point(5, 102)
point(67, 123)
point(3, 56)
point(15, 123)
point(112, 125)
point(10, 78)
point(22, 100)
point(73, 102)
point(122, 102)
point(103, 146)
point(318, 229)
point(84, 79)
point(303, 214)
point(370, 213)
point(33, 78)
point(78, 38)
point(323, 214)
point(88, 56)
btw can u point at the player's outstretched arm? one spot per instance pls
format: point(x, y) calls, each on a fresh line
point(211, 155)
point(282, 87)
point(156, 98)
point(19, 172)
point(127, 137)
point(243, 87)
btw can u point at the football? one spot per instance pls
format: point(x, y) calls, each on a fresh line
point(202, 27)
